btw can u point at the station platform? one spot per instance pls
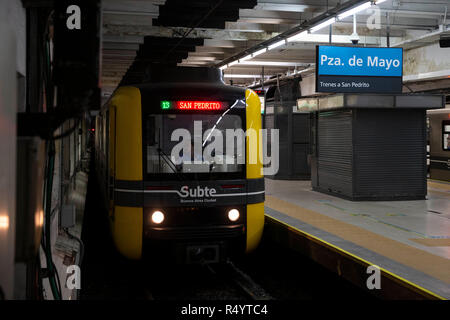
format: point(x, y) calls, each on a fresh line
point(408, 240)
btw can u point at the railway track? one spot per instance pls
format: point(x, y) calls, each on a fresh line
point(241, 280)
point(208, 282)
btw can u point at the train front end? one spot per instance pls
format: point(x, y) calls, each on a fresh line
point(201, 197)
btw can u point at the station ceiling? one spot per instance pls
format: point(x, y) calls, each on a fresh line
point(214, 32)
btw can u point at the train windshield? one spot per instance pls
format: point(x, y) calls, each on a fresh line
point(206, 146)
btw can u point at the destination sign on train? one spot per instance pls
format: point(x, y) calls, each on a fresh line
point(359, 69)
point(192, 105)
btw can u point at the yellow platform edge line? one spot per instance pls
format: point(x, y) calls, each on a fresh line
point(437, 180)
point(445, 193)
point(443, 182)
point(357, 259)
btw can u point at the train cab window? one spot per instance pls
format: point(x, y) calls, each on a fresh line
point(195, 143)
point(446, 135)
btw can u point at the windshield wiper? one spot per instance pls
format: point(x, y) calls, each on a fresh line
point(167, 160)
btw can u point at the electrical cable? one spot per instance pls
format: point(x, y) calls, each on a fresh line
point(39, 285)
point(55, 287)
point(54, 211)
point(49, 91)
point(48, 88)
point(80, 261)
point(68, 132)
point(58, 282)
point(41, 275)
point(47, 70)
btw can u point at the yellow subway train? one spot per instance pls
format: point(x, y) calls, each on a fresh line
point(178, 161)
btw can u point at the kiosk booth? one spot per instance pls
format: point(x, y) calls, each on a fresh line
point(371, 146)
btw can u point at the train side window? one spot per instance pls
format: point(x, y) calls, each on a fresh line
point(446, 135)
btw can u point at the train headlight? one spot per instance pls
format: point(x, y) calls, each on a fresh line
point(157, 217)
point(233, 214)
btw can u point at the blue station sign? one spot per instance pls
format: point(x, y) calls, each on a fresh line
point(359, 69)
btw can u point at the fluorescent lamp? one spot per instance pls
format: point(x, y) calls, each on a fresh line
point(223, 67)
point(252, 76)
point(274, 63)
point(277, 44)
point(354, 10)
point(323, 24)
point(297, 36)
point(233, 63)
point(257, 53)
point(245, 58)
point(380, 1)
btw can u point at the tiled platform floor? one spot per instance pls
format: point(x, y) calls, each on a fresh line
point(408, 238)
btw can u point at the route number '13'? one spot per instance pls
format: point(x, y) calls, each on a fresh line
point(74, 20)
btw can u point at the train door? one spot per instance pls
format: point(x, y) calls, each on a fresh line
point(111, 178)
point(446, 135)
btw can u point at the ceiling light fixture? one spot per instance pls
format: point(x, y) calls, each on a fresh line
point(243, 76)
point(297, 37)
point(248, 57)
point(305, 35)
point(277, 44)
point(354, 10)
point(273, 63)
point(323, 24)
point(257, 53)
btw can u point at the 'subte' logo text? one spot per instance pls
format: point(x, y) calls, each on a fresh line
point(198, 192)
